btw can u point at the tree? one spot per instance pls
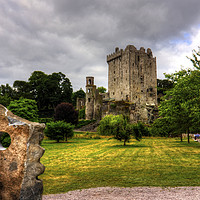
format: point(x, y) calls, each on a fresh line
point(22, 89)
point(59, 130)
point(102, 89)
point(25, 108)
point(181, 105)
point(66, 112)
point(118, 126)
point(5, 100)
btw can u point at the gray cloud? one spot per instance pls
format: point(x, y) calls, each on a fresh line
point(74, 37)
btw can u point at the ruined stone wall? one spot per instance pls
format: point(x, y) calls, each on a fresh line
point(20, 163)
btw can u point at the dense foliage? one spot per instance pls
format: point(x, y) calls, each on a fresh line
point(102, 89)
point(59, 130)
point(47, 90)
point(25, 108)
point(180, 108)
point(66, 112)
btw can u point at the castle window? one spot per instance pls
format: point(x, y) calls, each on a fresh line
point(90, 81)
point(138, 58)
point(114, 72)
point(141, 90)
point(88, 90)
point(88, 99)
point(113, 93)
point(121, 92)
point(114, 79)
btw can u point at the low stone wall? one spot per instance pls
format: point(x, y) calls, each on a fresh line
point(20, 162)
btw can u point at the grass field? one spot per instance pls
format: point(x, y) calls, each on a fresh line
point(87, 163)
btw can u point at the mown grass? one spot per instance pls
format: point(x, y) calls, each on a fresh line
point(86, 163)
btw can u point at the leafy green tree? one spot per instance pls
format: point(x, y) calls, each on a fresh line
point(25, 108)
point(5, 100)
point(22, 89)
point(118, 126)
point(181, 105)
point(50, 90)
point(59, 130)
point(102, 89)
point(162, 127)
point(7, 93)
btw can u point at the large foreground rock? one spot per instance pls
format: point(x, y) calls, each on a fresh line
point(20, 162)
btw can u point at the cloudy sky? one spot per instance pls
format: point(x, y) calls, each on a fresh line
point(74, 36)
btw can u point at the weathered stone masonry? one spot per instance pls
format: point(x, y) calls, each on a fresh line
point(20, 162)
point(132, 86)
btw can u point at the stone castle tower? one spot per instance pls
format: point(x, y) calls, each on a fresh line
point(93, 100)
point(132, 75)
point(132, 87)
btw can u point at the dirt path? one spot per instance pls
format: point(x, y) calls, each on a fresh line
point(136, 193)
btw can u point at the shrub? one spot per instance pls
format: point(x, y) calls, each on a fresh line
point(143, 129)
point(66, 112)
point(161, 127)
point(59, 130)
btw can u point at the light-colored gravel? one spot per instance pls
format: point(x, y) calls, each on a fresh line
point(135, 193)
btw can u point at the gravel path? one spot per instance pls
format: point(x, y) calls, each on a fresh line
point(135, 193)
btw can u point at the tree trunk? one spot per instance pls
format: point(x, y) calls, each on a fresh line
point(188, 135)
point(181, 137)
point(124, 142)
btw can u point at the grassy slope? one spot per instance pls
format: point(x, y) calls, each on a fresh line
point(87, 163)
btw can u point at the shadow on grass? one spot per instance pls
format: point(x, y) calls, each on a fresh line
point(128, 146)
point(185, 144)
point(61, 142)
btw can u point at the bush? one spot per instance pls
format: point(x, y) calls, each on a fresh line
point(66, 112)
point(161, 127)
point(144, 131)
point(25, 108)
point(59, 130)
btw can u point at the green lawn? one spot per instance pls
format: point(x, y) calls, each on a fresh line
point(87, 163)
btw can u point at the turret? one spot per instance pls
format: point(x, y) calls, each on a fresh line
point(90, 98)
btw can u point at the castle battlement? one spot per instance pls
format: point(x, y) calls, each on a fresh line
point(130, 48)
point(114, 55)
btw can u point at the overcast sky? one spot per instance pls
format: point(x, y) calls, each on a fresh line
point(74, 36)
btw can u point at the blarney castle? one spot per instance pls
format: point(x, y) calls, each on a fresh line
point(132, 87)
